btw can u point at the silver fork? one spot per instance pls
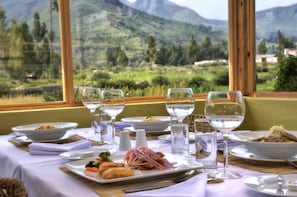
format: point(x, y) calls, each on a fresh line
point(291, 163)
point(178, 179)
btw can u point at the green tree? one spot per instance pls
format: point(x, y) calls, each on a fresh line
point(3, 35)
point(21, 51)
point(162, 55)
point(151, 50)
point(192, 50)
point(286, 75)
point(283, 43)
point(262, 48)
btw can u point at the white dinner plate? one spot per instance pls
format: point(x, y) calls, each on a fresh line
point(167, 137)
point(276, 150)
point(181, 163)
point(244, 153)
point(25, 139)
point(267, 184)
point(83, 154)
point(131, 129)
point(139, 123)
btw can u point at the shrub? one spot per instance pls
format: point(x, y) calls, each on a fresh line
point(160, 80)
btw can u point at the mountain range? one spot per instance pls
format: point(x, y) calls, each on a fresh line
point(267, 21)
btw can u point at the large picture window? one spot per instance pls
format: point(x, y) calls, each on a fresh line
point(30, 58)
point(49, 48)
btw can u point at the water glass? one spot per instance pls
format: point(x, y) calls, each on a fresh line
point(179, 138)
point(106, 129)
point(206, 149)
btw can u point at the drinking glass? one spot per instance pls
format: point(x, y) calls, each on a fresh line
point(225, 111)
point(90, 97)
point(180, 103)
point(113, 103)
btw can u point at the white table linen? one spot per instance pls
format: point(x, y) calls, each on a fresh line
point(56, 149)
point(42, 176)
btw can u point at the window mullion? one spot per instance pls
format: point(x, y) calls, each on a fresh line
point(66, 50)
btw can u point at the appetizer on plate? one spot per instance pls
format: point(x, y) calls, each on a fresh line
point(278, 134)
point(143, 158)
point(106, 168)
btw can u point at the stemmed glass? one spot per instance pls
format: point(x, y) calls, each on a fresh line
point(90, 97)
point(225, 112)
point(180, 102)
point(113, 103)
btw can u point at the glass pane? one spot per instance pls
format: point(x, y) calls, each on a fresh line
point(145, 47)
point(276, 45)
point(30, 68)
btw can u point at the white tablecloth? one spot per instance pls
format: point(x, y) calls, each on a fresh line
point(42, 176)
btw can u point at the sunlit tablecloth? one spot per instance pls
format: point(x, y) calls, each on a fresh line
point(43, 177)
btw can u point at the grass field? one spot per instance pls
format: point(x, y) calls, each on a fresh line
point(177, 76)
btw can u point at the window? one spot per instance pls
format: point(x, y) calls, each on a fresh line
point(275, 41)
point(83, 47)
point(141, 46)
point(30, 59)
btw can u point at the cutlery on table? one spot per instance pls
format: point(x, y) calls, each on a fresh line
point(291, 163)
point(187, 175)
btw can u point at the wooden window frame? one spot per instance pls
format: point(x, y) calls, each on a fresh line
point(241, 47)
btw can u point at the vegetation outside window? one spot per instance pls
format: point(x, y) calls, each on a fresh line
point(276, 59)
point(30, 59)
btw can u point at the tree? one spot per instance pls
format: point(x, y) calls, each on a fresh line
point(151, 50)
point(283, 43)
point(3, 34)
point(286, 75)
point(192, 50)
point(262, 48)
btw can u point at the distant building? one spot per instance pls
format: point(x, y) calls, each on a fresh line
point(210, 62)
point(268, 58)
point(290, 52)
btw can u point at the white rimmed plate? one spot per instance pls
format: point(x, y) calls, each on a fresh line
point(83, 154)
point(139, 123)
point(45, 135)
point(267, 184)
point(25, 139)
point(243, 153)
point(276, 150)
point(182, 163)
point(167, 137)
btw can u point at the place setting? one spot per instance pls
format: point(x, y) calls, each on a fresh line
point(49, 138)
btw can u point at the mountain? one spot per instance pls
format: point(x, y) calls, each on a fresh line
point(171, 11)
point(279, 18)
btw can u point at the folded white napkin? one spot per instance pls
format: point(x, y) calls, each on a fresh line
point(194, 187)
point(56, 149)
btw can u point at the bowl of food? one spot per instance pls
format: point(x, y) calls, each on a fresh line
point(149, 123)
point(44, 132)
point(276, 143)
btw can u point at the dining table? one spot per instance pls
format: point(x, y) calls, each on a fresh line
point(48, 175)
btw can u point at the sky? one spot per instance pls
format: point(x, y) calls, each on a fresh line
point(218, 9)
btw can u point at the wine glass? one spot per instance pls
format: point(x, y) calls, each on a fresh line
point(90, 97)
point(113, 103)
point(225, 112)
point(180, 103)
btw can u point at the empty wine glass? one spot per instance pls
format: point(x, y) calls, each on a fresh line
point(113, 103)
point(180, 103)
point(90, 97)
point(225, 111)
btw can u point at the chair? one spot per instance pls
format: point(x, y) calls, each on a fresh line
point(12, 187)
point(201, 126)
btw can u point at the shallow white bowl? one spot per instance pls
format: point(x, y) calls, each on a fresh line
point(43, 135)
point(274, 150)
point(138, 123)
